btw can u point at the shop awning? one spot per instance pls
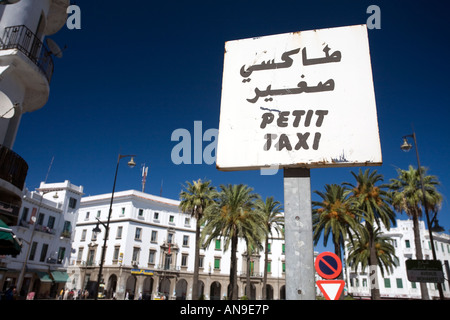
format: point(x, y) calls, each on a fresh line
point(9, 244)
point(44, 276)
point(60, 276)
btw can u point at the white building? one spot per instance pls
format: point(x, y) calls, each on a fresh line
point(45, 229)
point(26, 68)
point(151, 248)
point(396, 285)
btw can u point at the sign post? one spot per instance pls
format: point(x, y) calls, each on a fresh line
point(298, 235)
point(297, 101)
point(329, 266)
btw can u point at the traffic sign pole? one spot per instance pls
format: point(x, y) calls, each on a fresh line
point(298, 234)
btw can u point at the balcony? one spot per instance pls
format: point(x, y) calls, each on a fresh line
point(23, 39)
point(13, 171)
point(12, 167)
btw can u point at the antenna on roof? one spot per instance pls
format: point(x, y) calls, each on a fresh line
point(144, 176)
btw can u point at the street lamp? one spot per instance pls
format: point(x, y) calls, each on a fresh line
point(406, 146)
point(131, 164)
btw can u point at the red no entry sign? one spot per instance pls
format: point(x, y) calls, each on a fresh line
point(328, 265)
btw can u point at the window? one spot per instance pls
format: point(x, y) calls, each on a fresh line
point(91, 257)
point(364, 283)
point(40, 220)
point(33, 251)
point(269, 266)
point(187, 221)
point(137, 234)
point(119, 233)
point(51, 222)
point(122, 212)
point(185, 241)
point(83, 235)
point(116, 253)
point(43, 252)
point(283, 248)
point(413, 285)
point(154, 236)
point(171, 219)
point(80, 254)
point(156, 216)
point(72, 203)
point(200, 261)
point(169, 237)
point(399, 283)
point(217, 263)
point(99, 212)
point(218, 244)
point(25, 214)
point(61, 254)
point(387, 282)
point(269, 248)
point(86, 217)
point(141, 213)
point(151, 256)
point(407, 244)
point(283, 266)
point(184, 260)
point(135, 256)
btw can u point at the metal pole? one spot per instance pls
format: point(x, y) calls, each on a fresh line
point(300, 284)
point(99, 278)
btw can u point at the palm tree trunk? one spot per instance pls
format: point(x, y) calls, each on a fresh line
point(266, 263)
point(196, 262)
point(337, 251)
point(248, 287)
point(419, 255)
point(373, 265)
point(233, 268)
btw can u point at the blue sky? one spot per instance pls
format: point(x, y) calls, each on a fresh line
point(138, 70)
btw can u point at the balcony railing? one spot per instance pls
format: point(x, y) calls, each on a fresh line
point(23, 39)
point(12, 167)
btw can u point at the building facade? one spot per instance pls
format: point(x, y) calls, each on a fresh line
point(396, 285)
point(150, 253)
point(26, 68)
point(45, 229)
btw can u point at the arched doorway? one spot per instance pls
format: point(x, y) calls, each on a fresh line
point(130, 288)
point(283, 293)
point(201, 290)
point(181, 289)
point(111, 288)
point(252, 292)
point(148, 288)
point(164, 288)
point(269, 292)
point(214, 291)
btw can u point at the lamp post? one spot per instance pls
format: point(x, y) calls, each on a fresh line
point(131, 164)
point(406, 146)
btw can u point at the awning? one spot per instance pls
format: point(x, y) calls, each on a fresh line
point(44, 276)
point(60, 276)
point(9, 244)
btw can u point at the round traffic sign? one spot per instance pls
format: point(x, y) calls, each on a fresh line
point(328, 265)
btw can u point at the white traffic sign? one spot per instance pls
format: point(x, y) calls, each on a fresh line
point(301, 99)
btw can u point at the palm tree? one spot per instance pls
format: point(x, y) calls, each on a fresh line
point(196, 197)
point(274, 221)
point(230, 217)
point(334, 214)
point(373, 203)
point(407, 196)
point(359, 251)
